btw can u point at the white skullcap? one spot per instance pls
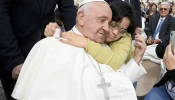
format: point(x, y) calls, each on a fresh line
point(87, 1)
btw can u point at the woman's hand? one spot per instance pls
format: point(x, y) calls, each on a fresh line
point(74, 39)
point(169, 58)
point(140, 48)
point(50, 29)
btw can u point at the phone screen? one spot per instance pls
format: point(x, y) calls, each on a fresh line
point(172, 40)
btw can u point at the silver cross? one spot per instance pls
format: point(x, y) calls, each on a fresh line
point(105, 85)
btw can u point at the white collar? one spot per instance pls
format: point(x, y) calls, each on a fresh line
point(162, 18)
point(75, 30)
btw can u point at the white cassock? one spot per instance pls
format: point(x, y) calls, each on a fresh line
point(57, 71)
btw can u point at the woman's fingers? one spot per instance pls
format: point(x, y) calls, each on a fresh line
point(68, 38)
point(140, 39)
point(65, 41)
point(74, 39)
point(140, 42)
point(68, 35)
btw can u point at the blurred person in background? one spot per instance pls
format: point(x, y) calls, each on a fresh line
point(172, 11)
point(151, 12)
point(147, 5)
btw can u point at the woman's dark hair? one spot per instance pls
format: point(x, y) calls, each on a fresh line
point(122, 9)
point(153, 5)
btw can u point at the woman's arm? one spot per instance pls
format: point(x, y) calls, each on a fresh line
point(115, 57)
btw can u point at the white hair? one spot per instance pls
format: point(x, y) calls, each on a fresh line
point(165, 3)
point(86, 8)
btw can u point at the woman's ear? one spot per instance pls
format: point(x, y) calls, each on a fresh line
point(80, 18)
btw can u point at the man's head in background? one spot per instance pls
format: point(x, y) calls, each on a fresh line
point(164, 9)
point(93, 18)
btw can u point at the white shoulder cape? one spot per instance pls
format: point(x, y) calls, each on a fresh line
point(57, 71)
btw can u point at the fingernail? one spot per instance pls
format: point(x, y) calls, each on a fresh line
point(61, 40)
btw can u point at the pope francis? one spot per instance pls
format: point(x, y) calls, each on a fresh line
point(57, 71)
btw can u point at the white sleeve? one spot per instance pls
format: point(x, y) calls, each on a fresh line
point(133, 71)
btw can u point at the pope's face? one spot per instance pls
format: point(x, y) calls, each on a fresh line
point(96, 22)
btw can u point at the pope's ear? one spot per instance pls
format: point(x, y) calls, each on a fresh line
point(80, 18)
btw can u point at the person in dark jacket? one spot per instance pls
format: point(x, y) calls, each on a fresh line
point(22, 24)
point(160, 26)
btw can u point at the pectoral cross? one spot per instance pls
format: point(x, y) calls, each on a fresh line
point(105, 85)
